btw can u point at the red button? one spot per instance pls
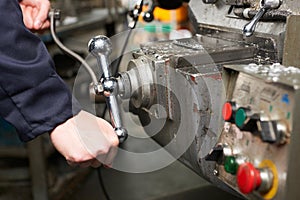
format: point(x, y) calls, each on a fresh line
point(227, 111)
point(248, 178)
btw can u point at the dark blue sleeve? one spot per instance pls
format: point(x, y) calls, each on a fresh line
point(33, 97)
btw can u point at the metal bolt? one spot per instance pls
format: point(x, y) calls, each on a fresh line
point(98, 88)
point(216, 172)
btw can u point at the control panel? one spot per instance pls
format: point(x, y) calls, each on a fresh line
point(253, 151)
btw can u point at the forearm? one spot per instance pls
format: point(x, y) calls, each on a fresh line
point(32, 96)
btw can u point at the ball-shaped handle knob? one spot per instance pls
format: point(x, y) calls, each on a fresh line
point(100, 44)
point(122, 134)
point(148, 17)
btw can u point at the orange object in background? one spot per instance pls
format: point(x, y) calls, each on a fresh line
point(167, 24)
point(177, 16)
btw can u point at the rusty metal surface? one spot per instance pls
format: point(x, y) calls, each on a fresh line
point(191, 92)
point(215, 21)
point(198, 50)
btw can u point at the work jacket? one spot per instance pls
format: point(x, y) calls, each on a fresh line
point(33, 98)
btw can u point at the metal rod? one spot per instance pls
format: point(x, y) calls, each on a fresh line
point(53, 16)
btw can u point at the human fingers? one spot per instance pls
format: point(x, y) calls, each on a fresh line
point(27, 16)
point(45, 25)
point(42, 14)
point(112, 139)
point(110, 157)
point(108, 131)
point(82, 139)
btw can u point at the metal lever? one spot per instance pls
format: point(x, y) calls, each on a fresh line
point(135, 14)
point(209, 1)
point(265, 5)
point(250, 27)
point(101, 47)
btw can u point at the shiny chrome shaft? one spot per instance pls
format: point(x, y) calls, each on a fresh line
point(101, 48)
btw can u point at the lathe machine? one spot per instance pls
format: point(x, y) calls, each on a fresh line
point(224, 102)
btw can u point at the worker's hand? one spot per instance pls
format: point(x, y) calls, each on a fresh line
point(35, 14)
point(86, 140)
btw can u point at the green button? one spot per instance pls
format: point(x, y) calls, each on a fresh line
point(240, 117)
point(230, 165)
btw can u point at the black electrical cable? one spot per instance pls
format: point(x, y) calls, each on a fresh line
point(123, 51)
point(101, 182)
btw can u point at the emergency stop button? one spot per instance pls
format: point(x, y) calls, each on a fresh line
point(248, 178)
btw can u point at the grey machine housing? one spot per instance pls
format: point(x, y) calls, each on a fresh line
point(190, 79)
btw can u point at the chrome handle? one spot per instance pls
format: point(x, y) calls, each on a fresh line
point(265, 5)
point(101, 47)
point(249, 28)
